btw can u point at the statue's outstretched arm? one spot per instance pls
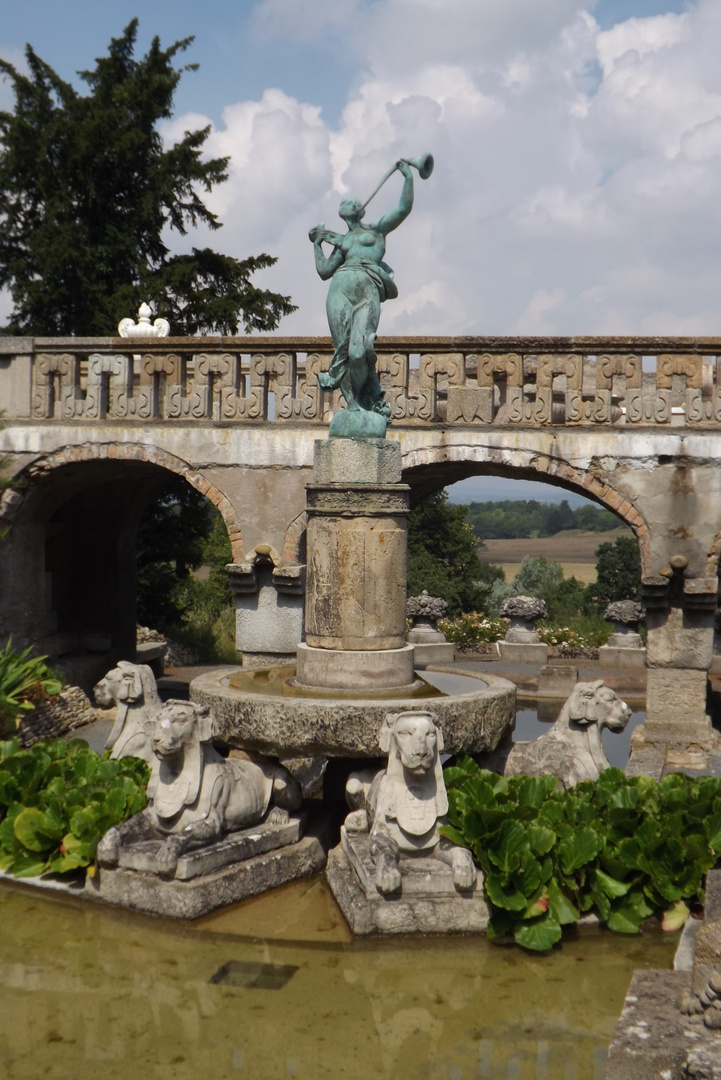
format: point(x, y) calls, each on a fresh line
point(393, 218)
point(326, 265)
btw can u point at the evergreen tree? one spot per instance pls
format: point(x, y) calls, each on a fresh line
point(442, 556)
point(87, 190)
point(618, 573)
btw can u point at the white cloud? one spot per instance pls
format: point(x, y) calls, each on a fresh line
point(577, 171)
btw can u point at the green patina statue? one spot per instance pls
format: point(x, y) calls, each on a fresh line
point(361, 281)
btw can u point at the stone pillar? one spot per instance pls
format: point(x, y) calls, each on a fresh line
point(679, 650)
point(356, 568)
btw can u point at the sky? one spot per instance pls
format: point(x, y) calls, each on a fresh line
point(577, 148)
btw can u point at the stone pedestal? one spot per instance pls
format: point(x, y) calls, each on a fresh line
point(358, 669)
point(528, 653)
point(206, 886)
point(440, 652)
point(676, 706)
point(356, 566)
point(428, 902)
point(610, 656)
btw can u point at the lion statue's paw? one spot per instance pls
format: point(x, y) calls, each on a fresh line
point(464, 870)
point(277, 816)
point(388, 876)
point(166, 861)
point(108, 850)
point(357, 821)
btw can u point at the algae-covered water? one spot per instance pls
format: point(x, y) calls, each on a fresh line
point(92, 992)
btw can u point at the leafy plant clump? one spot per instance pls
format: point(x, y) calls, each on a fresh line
point(23, 679)
point(57, 799)
point(629, 847)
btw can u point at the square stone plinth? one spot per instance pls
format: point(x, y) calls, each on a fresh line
point(627, 659)
point(357, 461)
point(428, 902)
point(443, 652)
point(189, 899)
point(513, 653)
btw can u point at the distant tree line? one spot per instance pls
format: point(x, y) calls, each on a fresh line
point(526, 518)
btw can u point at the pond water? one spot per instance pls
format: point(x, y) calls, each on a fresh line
point(275, 988)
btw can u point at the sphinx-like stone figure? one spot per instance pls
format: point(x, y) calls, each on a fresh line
point(572, 750)
point(402, 805)
point(132, 690)
point(196, 797)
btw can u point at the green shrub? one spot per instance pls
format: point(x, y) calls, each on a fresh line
point(23, 680)
point(628, 847)
point(57, 799)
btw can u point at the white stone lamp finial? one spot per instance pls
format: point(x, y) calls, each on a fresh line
point(143, 328)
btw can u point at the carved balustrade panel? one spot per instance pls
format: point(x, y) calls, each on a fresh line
point(161, 386)
point(485, 399)
point(56, 391)
point(298, 396)
point(438, 374)
point(110, 386)
point(401, 385)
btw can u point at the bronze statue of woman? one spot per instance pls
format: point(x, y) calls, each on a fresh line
point(360, 282)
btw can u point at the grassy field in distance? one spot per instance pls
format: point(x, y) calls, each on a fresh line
point(574, 550)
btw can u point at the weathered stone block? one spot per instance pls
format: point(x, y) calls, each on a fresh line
point(676, 705)
point(357, 461)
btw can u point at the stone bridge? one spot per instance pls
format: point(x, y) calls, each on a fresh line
point(92, 431)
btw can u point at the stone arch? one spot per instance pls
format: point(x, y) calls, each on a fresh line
point(13, 498)
point(68, 570)
point(444, 464)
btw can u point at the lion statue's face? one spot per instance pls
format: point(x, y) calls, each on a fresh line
point(416, 740)
point(122, 684)
point(180, 724)
point(593, 702)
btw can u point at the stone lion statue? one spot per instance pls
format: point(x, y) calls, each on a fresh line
point(195, 795)
point(132, 688)
point(572, 750)
point(403, 805)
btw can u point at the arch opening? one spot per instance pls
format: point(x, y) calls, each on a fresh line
point(68, 574)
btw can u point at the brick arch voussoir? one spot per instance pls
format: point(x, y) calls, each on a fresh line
point(151, 455)
point(293, 540)
point(712, 560)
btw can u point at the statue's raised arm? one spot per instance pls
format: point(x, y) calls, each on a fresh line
point(360, 282)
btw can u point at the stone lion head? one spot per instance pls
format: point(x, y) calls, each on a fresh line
point(596, 703)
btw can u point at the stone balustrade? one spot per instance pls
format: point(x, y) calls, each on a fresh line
point(507, 382)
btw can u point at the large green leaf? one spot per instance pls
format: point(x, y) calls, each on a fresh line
point(579, 849)
point(675, 916)
point(610, 886)
point(34, 830)
point(561, 906)
point(539, 934)
point(510, 899)
point(540, 839)
point(506, 851)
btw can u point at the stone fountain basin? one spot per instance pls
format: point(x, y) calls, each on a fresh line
point(326, 726)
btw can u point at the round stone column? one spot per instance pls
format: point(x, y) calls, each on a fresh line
point(356, 568)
